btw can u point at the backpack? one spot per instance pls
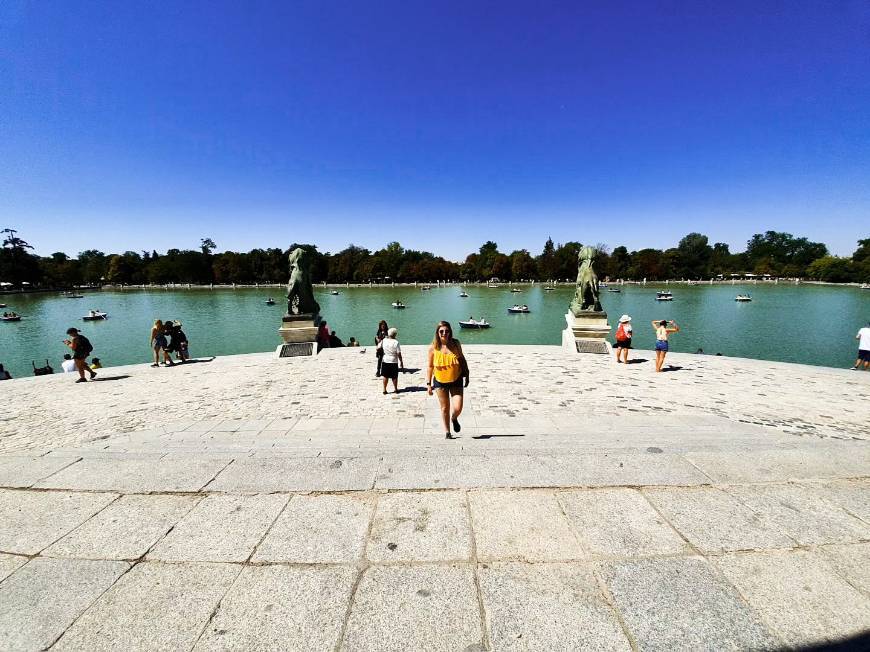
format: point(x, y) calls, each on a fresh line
point(621, 335)
point(83, 346)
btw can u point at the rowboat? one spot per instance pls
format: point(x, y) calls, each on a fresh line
point(95, 315)
point(519, 309)
point(743, 297)
point(664, 296)
point(399, 305)
point(475, 323)
point(11, 318)
point(270, 302)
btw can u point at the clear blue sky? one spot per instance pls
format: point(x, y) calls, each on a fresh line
point(437, 124)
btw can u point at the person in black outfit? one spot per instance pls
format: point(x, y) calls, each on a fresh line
point(335, 340)
point(381, 334)
point(179, 340)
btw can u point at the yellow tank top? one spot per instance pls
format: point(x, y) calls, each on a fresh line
point(446, 366)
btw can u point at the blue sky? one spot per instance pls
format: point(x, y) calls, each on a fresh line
point(437, 124)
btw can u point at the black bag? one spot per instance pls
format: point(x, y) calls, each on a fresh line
point(83, 345)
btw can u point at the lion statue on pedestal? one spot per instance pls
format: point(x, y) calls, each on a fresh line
point(300, 296)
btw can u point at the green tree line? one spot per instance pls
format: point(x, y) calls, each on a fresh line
point(772, 252)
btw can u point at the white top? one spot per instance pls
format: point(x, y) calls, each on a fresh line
point(68, 366)
point(626, 326)
point(864, 341)
point(391, 350)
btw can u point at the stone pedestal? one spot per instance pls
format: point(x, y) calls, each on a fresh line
point(299, 333)
point(586, 332)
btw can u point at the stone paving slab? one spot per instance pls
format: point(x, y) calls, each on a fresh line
point(281, 608)
point(415, 526)
point(18, 471)
point(153, 607)
point(429, 607)
point(45, 596)
point(220, 529)
point(290, 474)
point(548, 607)
point(126, 529)
point(619, 523)
point(852, 563)
point(318, 530)
point(782, 465)
point(683, 604)
point(32, 520)
point(9, 563)
point(136, 475)
point(799, 596)
point(715, 521)
point(522, 526)
point(802, 514)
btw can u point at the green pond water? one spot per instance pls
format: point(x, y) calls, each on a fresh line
point(808, 324)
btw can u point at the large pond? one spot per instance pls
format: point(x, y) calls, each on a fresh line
point(808, 323)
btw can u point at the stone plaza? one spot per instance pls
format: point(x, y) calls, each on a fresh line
point(250, 502)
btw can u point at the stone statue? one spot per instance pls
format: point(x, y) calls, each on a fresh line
point(586, 298)
point(300, 296)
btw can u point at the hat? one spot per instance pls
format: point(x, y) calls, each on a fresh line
point(624, 319)
point(393, 332)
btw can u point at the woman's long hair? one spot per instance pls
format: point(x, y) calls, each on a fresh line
point(448, 341)
point(158, 326)
point(382, 326)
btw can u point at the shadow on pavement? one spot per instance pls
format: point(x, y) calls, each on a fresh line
point(491, 436)
point(101, 378)
point(637, 360)
point(671, 368)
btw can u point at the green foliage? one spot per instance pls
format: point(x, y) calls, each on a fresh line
point(693, 258)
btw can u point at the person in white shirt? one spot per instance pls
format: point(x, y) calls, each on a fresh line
point(392, 359)
point(863, 338)
point(68, 365)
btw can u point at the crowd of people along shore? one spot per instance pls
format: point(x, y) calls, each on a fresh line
point(446, 369)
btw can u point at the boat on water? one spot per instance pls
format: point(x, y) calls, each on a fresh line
point(492, 285)
point(664, 296)
point(73, 295)
point(463, 294)
point(399, 305)
point(602, 285)
point(10, 317)
point(425, 287)
point(548, 289)
point(95, 315)
point(270, 301)
point(614, 290)
point(865, 286)
point(2, 305)
point(474, 323)
point(515, 309)
point(335, 293)
point(743, 297)
point(515, 290)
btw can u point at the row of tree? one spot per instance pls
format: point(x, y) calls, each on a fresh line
point(774, 253)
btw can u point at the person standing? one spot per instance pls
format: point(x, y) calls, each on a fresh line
point(158, 341)
point(379, 352)
point(662, 331)
point(4, 375)
point(391, 360)
point(68, 365)
point(445, 372)
point(322, 336)
point(623, 338)
point(863, 338)
point(81, 348)
point(182, 349)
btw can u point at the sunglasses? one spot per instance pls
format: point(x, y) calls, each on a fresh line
point(443, 332)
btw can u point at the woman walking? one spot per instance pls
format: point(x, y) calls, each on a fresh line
point(662, 332)
point(391, 359)
point(379, 352)
point(446, 369)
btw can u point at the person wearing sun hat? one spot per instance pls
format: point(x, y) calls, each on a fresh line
point(623, 339)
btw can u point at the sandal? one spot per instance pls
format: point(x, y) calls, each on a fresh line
point(456, 425)
point(447, 435)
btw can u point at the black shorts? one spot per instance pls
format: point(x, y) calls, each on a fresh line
point(864, 355)
point(390, 370)
point(623, 344)
point(452, 388)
